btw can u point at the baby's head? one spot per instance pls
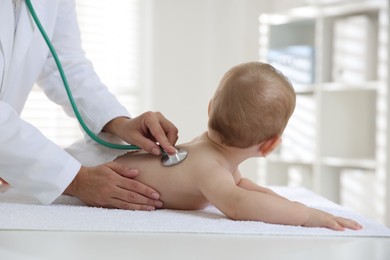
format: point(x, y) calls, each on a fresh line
point(253, 103)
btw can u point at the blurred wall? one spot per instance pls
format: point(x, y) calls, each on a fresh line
point(192, 44)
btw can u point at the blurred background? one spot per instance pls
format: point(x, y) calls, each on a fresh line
point(169, 55)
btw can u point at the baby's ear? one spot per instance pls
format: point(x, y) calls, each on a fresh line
point(269, 145)
point(209, 107)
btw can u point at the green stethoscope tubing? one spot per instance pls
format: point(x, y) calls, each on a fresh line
point(69, 92)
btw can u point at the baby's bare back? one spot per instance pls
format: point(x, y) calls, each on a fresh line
point(177, 184)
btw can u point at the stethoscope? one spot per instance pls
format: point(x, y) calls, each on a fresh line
point(166, 159)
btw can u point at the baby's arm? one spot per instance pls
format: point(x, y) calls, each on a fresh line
point(247, 184)
point(239, 203)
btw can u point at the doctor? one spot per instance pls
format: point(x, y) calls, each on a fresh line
point(31, 163)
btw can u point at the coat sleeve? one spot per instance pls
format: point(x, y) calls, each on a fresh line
point(95, 103)
point(30, 162)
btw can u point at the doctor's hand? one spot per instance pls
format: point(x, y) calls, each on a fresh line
point(110, 185)
point(144, 131)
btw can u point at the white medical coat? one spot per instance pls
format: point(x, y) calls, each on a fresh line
point(29, 161)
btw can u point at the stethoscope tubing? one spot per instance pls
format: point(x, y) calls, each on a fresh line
point(68, 90)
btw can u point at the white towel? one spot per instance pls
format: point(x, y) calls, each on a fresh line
point(19, 212)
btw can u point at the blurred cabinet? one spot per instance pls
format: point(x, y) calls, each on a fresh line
point(336, 56)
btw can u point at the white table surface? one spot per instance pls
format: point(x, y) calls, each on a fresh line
point(17, 245)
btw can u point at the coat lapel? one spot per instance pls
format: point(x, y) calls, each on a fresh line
point(25, 31)
point(6, 34)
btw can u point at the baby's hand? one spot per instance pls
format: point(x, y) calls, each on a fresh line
point(319, 218)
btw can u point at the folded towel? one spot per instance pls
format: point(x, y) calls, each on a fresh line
point(19, 212)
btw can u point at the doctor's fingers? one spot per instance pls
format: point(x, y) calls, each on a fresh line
point(134, 191)
point(163, 131)
point(126, 193)
point(130, 200)
point(125, 181)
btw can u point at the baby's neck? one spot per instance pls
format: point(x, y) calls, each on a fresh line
point(234, 155)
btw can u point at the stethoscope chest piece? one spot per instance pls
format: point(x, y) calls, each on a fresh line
point(170, 160)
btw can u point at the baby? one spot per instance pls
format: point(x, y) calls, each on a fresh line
point(247, 117)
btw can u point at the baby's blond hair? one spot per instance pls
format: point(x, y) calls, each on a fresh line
point(253, 103)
